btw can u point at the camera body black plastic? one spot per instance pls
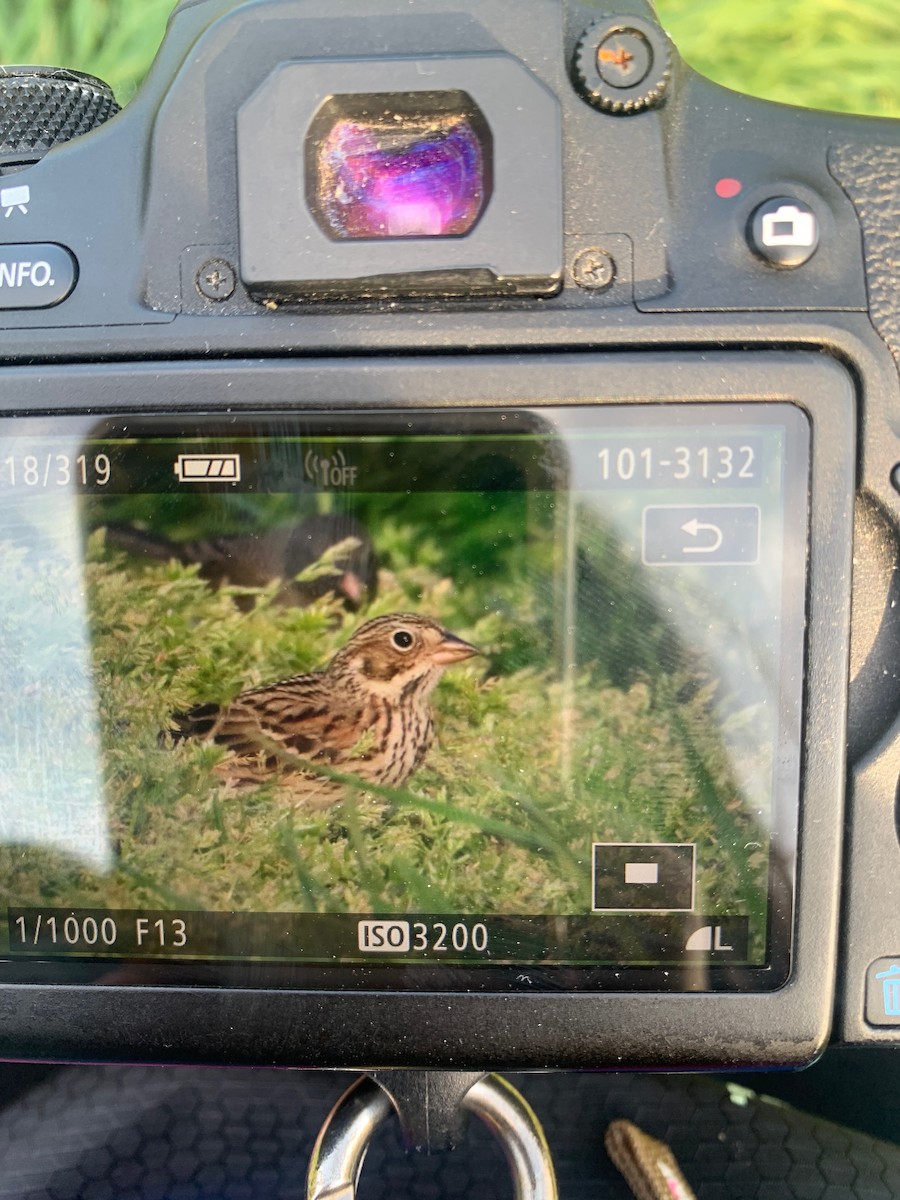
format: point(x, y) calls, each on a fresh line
point(629, 251)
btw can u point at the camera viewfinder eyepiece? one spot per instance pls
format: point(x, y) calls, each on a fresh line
point(400, 177)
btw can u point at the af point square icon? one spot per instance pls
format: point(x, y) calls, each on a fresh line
point(643, 876)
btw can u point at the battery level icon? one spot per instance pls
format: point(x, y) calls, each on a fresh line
point(206, 468)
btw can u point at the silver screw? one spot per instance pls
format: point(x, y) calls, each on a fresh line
point(594, 270)
point(216, 280)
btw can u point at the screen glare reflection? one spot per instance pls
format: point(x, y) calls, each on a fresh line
point(400, 177)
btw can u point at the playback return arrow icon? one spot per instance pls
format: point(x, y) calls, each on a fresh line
point(700, 535)
point(711, 544)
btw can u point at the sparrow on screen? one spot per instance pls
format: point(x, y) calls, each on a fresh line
point(366, 713)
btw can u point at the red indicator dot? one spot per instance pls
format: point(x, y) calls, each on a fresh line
point(727, 189)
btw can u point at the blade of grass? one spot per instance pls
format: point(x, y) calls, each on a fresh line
point(308, 884)
point(168, 896)
point(407, 799)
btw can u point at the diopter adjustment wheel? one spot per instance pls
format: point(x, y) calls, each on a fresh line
point(41, 107)
point(622, 65)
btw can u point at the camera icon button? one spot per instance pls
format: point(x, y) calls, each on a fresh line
point(784, 231)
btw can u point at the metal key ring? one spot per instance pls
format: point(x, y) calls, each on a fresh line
point(340, 1149)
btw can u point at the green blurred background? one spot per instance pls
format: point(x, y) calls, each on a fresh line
point(838, 54)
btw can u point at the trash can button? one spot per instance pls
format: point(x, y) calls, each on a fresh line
point(883, 992)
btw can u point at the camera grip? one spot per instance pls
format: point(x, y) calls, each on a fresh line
point(869, 175)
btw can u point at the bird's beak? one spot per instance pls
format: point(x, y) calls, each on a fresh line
point(352, 587)
point(452, 649)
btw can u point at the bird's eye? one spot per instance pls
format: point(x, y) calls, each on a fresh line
point(402, 639)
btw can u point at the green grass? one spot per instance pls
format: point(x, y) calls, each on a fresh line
point(838, 54)
point(113, 39)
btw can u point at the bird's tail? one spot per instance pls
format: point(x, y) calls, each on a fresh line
point(141, 544)
point(198, 722)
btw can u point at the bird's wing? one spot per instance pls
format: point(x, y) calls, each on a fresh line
point(303, 716)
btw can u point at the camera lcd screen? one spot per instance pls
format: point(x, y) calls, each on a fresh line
point(403, 700)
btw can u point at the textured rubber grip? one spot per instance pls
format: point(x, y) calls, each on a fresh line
point(88, 1133)
point(870, 175)
point(43, 106)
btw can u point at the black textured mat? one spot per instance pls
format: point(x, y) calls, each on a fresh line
point(157, 1133)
